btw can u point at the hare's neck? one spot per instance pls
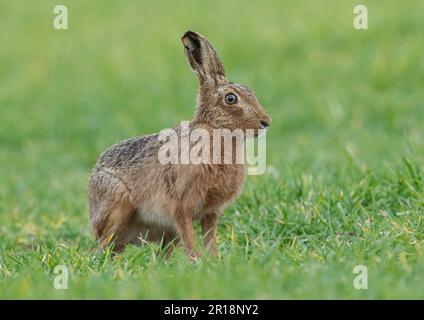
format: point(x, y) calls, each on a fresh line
point(203, 115)
point(226, 146)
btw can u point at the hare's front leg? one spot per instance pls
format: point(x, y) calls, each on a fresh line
point(209, 224)
point(184, 225)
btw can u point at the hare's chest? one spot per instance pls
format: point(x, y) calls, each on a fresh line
point(225, 187)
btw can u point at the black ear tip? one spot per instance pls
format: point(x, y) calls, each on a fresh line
point(191, 39)
point(190, 35)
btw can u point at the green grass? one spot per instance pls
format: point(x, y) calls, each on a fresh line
point(346, 184)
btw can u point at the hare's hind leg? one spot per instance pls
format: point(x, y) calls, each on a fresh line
point(111, 211)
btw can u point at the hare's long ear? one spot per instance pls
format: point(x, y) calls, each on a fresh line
point(203, 58)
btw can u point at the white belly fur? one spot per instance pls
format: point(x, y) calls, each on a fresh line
point(155, 215)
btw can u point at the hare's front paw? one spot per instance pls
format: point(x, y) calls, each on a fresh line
point(193, 256)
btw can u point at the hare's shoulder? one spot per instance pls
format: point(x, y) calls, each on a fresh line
point(128, 152)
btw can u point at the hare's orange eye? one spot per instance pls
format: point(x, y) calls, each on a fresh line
point(230, 98)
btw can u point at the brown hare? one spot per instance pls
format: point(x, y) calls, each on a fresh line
point(134, 197)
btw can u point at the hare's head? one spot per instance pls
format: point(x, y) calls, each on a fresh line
point(221, 104)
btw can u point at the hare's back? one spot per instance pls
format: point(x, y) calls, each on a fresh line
point(130, 152)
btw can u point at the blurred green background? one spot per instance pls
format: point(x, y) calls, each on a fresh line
point(345, 150)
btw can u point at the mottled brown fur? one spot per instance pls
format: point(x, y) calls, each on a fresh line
point(132, 196)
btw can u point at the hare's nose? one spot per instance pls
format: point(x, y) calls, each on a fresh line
point(264, 124)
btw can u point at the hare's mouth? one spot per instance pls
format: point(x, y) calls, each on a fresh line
point(264, 124)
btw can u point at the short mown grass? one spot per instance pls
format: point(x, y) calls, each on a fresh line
point(345, 178)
